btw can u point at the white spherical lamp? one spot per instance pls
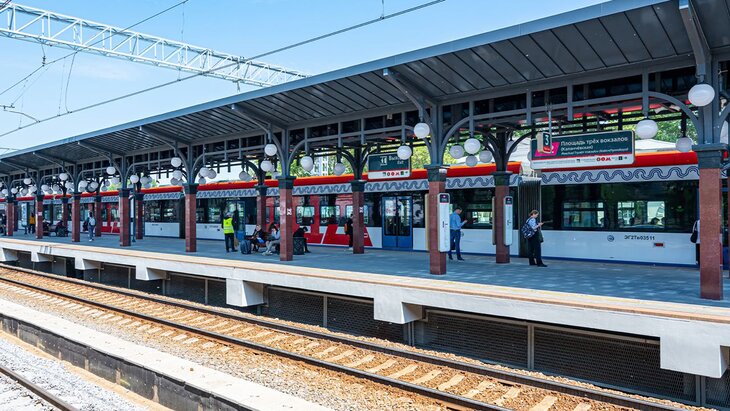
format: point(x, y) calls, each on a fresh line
point(456, 151)
point(270, 149)
point(485, 156)
point(93, 186)
point(144, 180)
point(275, 174)
point(27, 181)
point(115, 180)
point(177, 174)
point(244, 176)
point(307, 163)
point(174, 181)
point(83, 184)
point(107, 183)
point(104, 188)
point(646, 129)
point(684, 144)
point(111, 170)
point(339, 169)
point(134, 178)
point(471, 161)
point(201, 180)
point(24, 192)
point(204, 171)
point(176, 162)
point(701, 94)
point(45, 187)
point(266, 166)
point(14, 190)
point(56, 187)
point(421, 130)
point(211, 174)
point(63, 176)
point(472, 145)
point(404, 152)
point(32, 189)
point(5, 191)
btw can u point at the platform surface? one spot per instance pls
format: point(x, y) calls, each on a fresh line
point(632, 281)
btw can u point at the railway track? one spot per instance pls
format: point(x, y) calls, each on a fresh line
point(456, 384)
point(26, 385)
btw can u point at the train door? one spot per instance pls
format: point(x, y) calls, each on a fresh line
point(237, 208)
point(397, 222)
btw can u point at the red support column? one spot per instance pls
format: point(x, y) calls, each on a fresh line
point(261, 205)
point(436, 186)
point(97, 215)
point(501, 190)
point(286, 218)
point(76, 218)
point(139, 216)
point(191, 240)
point(10, 216)
point(358, 217)
point(39, 216)
point(124, 240)
point(710, 222)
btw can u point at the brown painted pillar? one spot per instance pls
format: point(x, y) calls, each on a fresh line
point(124, 223)
point(710, 158)
point(39, 216)
point(139, 216)
point(286, 218)
point(358, 218)
point(261, 205)
point(76, 217)
point(436, 186)
point(97, 215)
point(191, 240)
point(10, 216)
point(64, 211)
point(501, 190)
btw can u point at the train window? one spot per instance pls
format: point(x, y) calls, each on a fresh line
point(329, 215)
point(585, 214)
point(476, 206)
point(168, 211)
point(305, 215)
point(115, 214)
point(215, 210)
point(152, 211)
point(366, 215)
point(641, 214)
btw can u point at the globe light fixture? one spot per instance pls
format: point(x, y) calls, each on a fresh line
point(244, 176)
point(107, 183)
point(5, 191)
point(134, 178)
point(485, 156)
point(115, 180)
point(104, 188)
point(701, 94)
point(45, 187)
point(339, 168)
point(472, 160)
point(404, 152)
point(63, 176)
point(177, 174)
point(14, 190)
point(201, 180)
point(24, 192)
point(456, 151)
point(684, 144)
point(27, 181)
point(307, 163)
point(176, 162)
point(56, 187)
point(204, 171)
point(472, 145)
point(270, 149)
point(174, 181)
point(275, 174)
point(646, 129)
point(266, 166)
point(111, 170)
point(83, 184)
point(144, 180)
point(32, 189)
point(421, 130)
point(212, 174)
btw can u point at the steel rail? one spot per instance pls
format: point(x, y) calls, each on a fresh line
point(500, 375)
point(37, 390)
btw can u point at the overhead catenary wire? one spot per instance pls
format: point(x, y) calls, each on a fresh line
point(179, 80)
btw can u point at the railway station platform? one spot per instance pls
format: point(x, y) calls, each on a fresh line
point(638, 328)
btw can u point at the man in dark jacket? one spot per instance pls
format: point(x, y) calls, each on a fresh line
point(300, 233)
point(348, 231)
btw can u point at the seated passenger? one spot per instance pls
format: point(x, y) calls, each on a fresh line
point(300, 233)
point(257, 238)
point(274, 239)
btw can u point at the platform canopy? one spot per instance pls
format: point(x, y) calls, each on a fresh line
point(622, 36)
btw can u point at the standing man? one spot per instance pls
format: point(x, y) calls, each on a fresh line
point(534, 241)
point(91, 222)
point(228, 232)
point(348, 231)
point(455, 225)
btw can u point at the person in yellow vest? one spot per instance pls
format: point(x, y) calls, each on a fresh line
point(228, 232)
point(31, 224)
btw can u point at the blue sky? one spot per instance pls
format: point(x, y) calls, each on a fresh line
point(242, 27)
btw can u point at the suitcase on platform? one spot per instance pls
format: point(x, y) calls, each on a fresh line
point(245, 247)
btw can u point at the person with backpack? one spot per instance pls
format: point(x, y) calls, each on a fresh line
point(531, 231)
point(91, 223)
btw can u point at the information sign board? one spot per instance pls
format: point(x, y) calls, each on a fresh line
point(609, 148)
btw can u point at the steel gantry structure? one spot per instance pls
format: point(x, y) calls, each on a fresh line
point(54, 29)
point(617, 61)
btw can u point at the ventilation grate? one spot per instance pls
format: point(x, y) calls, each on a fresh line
point(186, 288)
point(356, 317)
point(718, 391)
point(293, 306)
point(217, 293)
point(115, 276)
